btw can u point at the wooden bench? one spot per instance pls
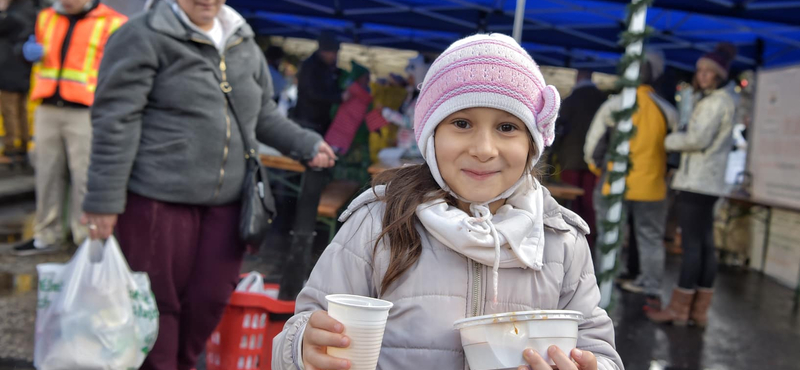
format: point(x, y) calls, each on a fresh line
point(282, 163)
point(334, 197)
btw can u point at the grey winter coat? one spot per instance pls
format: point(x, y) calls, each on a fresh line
point(439, 289)
point(705, 145)
point(161, 126)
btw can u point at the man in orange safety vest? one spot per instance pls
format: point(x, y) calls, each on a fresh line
point(68, 46)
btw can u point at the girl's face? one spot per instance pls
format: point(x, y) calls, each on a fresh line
point(482, 152)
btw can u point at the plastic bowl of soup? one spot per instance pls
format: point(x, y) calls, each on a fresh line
point(497, 341)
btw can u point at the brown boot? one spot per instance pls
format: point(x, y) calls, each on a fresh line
point(677, 312)
point(702, 301)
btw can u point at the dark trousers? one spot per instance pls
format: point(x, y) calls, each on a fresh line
point(193, 255)
point(584, 205)
point(632, 263)
point(696, 219)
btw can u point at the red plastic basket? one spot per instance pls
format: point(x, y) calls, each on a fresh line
point(243, 339)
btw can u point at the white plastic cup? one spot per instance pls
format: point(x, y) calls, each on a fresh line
point(364, 321)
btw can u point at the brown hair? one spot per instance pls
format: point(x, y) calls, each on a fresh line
point(406, 188)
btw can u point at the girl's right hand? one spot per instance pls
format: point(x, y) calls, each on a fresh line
point(322, 332)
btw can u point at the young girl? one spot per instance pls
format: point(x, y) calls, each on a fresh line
point(469, 233)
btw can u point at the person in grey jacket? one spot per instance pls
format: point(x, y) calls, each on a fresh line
point(468, 233)
point(168, 159)
point(704, 146)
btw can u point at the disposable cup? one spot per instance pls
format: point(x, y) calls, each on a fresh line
point(497, 341)
point(364, 321)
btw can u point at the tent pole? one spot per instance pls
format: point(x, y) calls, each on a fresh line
point(519, 17)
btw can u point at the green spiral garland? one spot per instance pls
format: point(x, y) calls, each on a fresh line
point(617, 138)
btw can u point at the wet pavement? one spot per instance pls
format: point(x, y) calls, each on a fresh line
point(751, 326)
point(751, 321)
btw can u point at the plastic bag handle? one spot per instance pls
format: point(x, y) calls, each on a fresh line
point(247, 284)
point(103, 264)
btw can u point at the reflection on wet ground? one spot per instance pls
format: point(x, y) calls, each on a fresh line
point(751, 326)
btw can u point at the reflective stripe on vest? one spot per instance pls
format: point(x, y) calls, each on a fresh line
point(48, 34)
point(88, 63)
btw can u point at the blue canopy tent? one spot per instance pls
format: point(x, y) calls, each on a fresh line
point(567, 33)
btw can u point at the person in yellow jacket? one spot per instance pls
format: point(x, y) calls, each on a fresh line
point(68, 45)
point(645, 198)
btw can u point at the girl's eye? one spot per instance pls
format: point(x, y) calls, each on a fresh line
point(460, 123)
point(507, 127)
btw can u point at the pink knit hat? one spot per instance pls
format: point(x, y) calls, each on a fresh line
point(492, 71)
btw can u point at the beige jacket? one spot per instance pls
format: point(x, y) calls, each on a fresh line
point(445, 286)
point(705, 145)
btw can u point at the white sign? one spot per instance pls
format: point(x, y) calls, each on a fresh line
point(775, 138)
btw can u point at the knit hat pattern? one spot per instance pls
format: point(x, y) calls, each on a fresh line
point(491, 71)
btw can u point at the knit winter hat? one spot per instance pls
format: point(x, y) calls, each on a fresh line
point(490, 71)
point(720, 59)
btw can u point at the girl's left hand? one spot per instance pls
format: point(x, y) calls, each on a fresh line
point(581, 360)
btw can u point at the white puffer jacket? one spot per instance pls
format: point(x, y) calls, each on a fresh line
point(440, 289)
point(705, 145)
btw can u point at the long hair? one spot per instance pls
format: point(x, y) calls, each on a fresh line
point(407, 188)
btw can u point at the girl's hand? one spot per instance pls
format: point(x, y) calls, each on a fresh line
point(323, 332)
point(581, 360)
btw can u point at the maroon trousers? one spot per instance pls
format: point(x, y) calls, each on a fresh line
point(193, 255)
point(584, 205)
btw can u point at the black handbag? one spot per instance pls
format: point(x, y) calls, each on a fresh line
point(258, 205)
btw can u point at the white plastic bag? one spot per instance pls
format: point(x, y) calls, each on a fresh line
point(93, 312)
point(254, 283)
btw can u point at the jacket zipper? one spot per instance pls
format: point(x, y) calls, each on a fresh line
point(477, 271)
point(223, 68)
point(476, 288)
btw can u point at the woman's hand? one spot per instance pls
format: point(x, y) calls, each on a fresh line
point(322, 332)
point(581, 360)
point(325, 157)
point(100, 226)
